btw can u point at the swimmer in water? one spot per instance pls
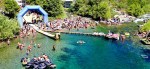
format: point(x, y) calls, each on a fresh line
point(54, 48)
point(39, 45)
point(29, 48)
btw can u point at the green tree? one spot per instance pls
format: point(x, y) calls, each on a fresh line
point(11, 8)
point(53, 7)
point(104, 10)
point(135, 10)
point(146, 8)
point(2, 4)
point(8, 27)
point(75, 7)
point(101, 8)
point(145, 27)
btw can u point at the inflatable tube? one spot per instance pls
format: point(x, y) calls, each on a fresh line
point(53, 66)
point(22, 59)
point(41, 66)
point(24, 63)
point(35, 66)
point(27, 67)
point(48, 63)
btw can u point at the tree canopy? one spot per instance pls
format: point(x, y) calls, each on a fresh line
point(8, 27)
point(103, 8)
point(145, 27)
point(2, 4)
point(11, 8)
point(53, 7)
point(92, 8)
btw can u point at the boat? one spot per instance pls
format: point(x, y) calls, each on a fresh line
point(80, 42)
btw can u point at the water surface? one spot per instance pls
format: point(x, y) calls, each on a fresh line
point(96, 53)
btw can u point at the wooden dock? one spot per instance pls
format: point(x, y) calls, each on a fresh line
point(57, 35)
point(91, 34)
point(81, 33)
point(45, 33)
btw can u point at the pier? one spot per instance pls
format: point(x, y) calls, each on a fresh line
point(56, 36)
point(81, 33)
point(100, 34)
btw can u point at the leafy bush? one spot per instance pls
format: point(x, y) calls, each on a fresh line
point(145, 27)
point(103, 8)
point(11, 8)
point(8, 27)
point(54, 8)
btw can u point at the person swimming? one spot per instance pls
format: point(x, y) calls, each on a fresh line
point(35, 45)
point(39, 45)
point(29, 48)
point(54, 48)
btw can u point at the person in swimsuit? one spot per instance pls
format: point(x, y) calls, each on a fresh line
point(54, 48)
point(8, 42)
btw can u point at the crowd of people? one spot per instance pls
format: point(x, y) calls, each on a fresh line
point(67, 23)
point(70, 23)
point(24, 33)
point(40, 62)
point(27, 32)
point(73, 22)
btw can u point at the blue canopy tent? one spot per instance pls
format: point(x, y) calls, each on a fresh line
point(25, 10)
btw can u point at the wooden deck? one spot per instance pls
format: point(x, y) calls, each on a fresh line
point(42, 32)
point(90, 34)
point(81, 33)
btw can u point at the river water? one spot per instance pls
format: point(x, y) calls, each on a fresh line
point(96, 53)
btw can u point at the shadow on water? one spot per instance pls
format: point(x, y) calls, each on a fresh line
point(65, 57)
point(67, 50)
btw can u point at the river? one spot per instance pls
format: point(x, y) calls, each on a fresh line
point(96, 53)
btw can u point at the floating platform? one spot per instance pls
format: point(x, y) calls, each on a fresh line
point(56, 36)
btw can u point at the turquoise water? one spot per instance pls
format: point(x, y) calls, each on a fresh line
point(96, 53)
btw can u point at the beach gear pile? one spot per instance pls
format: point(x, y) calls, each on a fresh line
point(41, 62)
